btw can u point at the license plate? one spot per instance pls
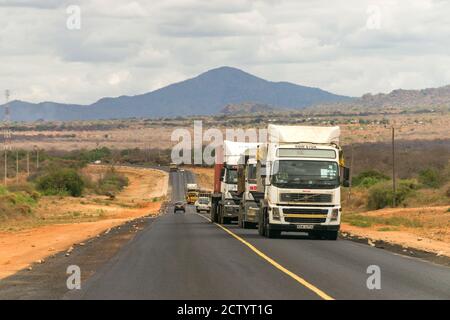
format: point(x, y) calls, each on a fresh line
point(305, 226)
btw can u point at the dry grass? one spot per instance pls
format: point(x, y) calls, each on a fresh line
point(141, 134)
point(205, 177)
point(146, 186)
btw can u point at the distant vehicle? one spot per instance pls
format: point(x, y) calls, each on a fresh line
point(191, 193)
point(181, 170)
point(173, 167)
point(203, 204)
point(179, 206)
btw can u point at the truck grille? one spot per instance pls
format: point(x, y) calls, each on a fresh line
point(305, 197)
point(305, 220)
point(305, 215)
point(304, 211)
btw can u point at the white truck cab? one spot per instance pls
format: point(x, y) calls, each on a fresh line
point(225, 199)
point(300, 179)
point(248, 211)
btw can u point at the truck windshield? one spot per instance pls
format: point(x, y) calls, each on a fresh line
point(251, 173)
point(305, 174)
point(231, 176)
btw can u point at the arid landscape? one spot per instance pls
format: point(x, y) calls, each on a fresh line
point(58, 223)
point(156, 134)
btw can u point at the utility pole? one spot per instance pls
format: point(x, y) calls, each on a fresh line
point(28, 163)
point(351, 175)
point(6, 133)
point(37, 156)
point(394, 184)
point(6, 167)
point(17, 166)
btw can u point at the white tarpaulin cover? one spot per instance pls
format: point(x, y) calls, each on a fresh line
point(298, 134)
point(234, 151)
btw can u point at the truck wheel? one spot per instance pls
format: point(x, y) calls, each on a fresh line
point(221, 217)
point(240, 222)
point(247, 225)
point(270, 233)
point(331, 235)
point(261, 225)
point(213, 212)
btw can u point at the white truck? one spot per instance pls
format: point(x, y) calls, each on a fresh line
point(225, 199)
point(301, 169)
point(204, 202)
point(191, 193)
point(247, 187)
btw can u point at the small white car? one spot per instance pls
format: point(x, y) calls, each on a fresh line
point(203, 204)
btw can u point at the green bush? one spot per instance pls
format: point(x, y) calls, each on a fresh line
point(3, 191)
point(15, 204)
point(112, 182)
point(61, 182)
point(431, 178)
point(381, 195)
point(369, 178)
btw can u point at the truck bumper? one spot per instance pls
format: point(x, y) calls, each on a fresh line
point(251, 215)
point(300, 227)
point(231, 211)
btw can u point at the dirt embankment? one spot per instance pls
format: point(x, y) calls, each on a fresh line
point(60, 222)
point(423, 228)
point(205, 177)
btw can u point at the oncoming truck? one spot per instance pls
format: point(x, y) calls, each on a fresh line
point(300, 169)
point(247, 188)
point(191, 193)
point(225, 199)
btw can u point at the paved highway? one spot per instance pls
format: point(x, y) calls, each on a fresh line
point(184, 256)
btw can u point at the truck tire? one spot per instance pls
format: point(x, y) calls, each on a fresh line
point(248, 225)
point(261, 224)
point(213, 212)
point(330, 235)
point(222, 219)
point(267, 232)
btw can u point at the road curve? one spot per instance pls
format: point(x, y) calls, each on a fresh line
point(184, 256)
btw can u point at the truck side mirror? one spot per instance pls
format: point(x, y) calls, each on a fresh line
point(222, 174)
point(264, 174)
point(346, 177)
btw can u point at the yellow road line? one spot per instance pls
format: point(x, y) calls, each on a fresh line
point(300, 280)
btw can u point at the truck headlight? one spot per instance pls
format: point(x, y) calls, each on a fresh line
point(276, 213)
point(334, 214)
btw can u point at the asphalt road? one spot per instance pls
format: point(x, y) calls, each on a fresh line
point(184, 256)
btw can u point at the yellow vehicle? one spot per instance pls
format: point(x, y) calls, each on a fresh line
point(191, 197)
point(191, 193)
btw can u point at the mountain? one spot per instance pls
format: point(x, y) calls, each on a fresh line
point(205, 94)
point(396, 101)
point(246, 107)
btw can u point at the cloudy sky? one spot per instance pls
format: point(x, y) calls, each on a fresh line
point(348, 47)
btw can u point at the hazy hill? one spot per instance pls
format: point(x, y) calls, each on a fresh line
point(246, 107)
point(205, 94)
point(395, 101)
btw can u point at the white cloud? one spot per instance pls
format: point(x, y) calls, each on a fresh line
point(131, 47)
